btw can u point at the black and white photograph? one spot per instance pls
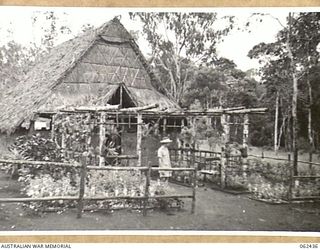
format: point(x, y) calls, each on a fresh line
point(167, 119)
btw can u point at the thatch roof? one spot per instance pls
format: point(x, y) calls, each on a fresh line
point(85, 70)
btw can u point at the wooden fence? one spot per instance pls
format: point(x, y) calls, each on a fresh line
point(84, 168)
point(293, 178)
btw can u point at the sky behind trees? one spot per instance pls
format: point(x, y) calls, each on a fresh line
point(16, 24)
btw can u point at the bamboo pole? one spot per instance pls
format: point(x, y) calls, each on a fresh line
point(194, 183)
point(96, 108)
point(41, 163)
point(146, 191)
point(137, 168)
point(245, 145)
point(102, 137)
point(290, 191)
point(310, 163)
point(224, 153)
point(138, 109)
point(121, 96)
point(82, 185)
point(25, 200)
point(74, 198)
point(139, 139)
point(63, 142)
point(53, 127)
point(124, 157)
point(164, 126)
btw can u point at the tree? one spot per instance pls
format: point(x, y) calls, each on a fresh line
point(15, 61)
point(207, 87)
point(288, 66)
point(180, 40)
point(51, 27)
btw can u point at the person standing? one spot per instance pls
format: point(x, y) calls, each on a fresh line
point(164, 159)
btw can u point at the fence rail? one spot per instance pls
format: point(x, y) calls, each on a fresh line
point(85, 168)
point(40, 163)
point(293, 177)
point(283, 159)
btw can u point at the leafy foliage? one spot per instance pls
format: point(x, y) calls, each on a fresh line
point(293, 55)
point(222, 86)
point(178, 42)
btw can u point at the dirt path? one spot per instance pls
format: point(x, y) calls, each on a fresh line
point(215, 210)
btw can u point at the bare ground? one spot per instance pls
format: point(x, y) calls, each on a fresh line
point(215, 210)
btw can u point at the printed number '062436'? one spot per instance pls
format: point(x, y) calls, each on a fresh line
point(305, 246)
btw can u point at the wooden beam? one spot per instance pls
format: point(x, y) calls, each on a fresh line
point(53, 127)
point(245, 130)
point(121, 93)
point(102, 137)
point(164, 126)
point(92, 108)
point(146, 190)
point(245, 145)
point(41, 163)
point(224, 150)
point(139, 139)
point(137, 109)
point(82, 185)
point(244, 111)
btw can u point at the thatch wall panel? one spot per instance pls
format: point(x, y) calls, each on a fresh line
point(95, 73)
point(80, 95)
point(113, 54)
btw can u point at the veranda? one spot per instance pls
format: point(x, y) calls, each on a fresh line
point(146, 119)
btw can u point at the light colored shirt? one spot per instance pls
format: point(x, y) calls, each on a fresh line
point(164, 157)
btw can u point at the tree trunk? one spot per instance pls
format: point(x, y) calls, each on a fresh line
point(310, 136)
point(294, 101)
point(276, 117)
point(281, 132)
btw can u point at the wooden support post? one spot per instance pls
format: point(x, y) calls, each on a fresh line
point(164, 126)
point(83, 175)
point(53, 127)
point(245, 130)
point(102, 137)
point(290, 191)
point(225, 149)
point(121, 96)
point(183, 123)
point(139, 139)
point(146, 191)
point(64, 143)
point(194, 184)
point(245, 145)
point(310, 164)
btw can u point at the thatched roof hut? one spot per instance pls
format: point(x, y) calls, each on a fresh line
point(96, 68)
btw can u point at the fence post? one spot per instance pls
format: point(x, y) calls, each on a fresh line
point(310, 163)
point(102, 137)
point(146, 191)
point(290, 195)
point(139, 138)
point(83, 174)
point(194, 184)
point(224, 151)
